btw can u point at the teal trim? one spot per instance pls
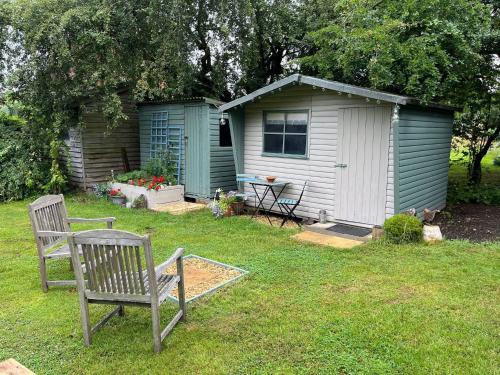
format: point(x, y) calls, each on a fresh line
point(288, 156)
point(283, 154)
point(237, 125)
point(422, 144)
point(396, 130)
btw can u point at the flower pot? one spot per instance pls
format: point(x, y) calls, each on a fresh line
point(229, 212)
point(237, 207)
point(119, 200)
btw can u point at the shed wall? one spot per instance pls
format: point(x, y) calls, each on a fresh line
point(222, 168)
point(424, 142)
point(176, 117)
point(319, 166)
point(95, 151)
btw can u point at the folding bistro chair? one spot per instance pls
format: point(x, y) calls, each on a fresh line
point(51, 224)
point(240, 180)
point(118, 269)
point(289, 205)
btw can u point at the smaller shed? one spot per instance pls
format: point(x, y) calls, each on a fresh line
point(198, 135)
point(93, 151)
point(367, 154)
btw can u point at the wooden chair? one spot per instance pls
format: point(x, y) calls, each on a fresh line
point(51, 224)
point(115, 272)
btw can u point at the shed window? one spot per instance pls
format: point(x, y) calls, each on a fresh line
point(224, 133)
point(159, 132)
point(285, 132)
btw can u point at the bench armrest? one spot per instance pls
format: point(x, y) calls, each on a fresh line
point(94, 220)
point(108, 220)
point(162, 267)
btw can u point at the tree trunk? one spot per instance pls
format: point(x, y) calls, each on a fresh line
point(475, 173)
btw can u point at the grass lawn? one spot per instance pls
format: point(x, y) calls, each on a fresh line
point(302, 308)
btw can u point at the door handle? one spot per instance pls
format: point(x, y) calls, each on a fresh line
point(340, 165)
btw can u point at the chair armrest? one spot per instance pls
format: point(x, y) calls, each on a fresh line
point(95, 220)
point(50, 233)
point(162, 267)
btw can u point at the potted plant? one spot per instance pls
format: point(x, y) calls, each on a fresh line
point(225, 203)
point(238, 204)
point(117, 197)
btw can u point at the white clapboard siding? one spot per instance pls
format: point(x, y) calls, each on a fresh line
point(319, 166)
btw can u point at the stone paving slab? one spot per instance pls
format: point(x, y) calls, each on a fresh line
point(326, 240)
point(12, 367)
point(179, 208)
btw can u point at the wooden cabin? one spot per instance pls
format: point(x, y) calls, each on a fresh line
point(366, 154)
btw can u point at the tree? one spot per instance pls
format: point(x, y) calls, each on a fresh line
point(438, 50)
point(267, 38)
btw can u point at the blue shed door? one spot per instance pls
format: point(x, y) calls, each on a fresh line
point(196, 142)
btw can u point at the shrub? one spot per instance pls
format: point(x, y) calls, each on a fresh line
point(496, 161)
point(25, 167)
point(469, 193)
point(101, 190)
point(403, 228)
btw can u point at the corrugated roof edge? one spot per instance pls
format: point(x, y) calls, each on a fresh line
point(334, 86)
point(194, 99)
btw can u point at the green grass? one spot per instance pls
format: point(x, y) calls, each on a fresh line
point(376, 308)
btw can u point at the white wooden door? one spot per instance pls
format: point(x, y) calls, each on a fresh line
point(361, 166)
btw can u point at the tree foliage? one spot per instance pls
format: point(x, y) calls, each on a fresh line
point(63, 52)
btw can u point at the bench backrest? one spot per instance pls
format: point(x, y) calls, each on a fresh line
point(48, 213)
point(118, 265)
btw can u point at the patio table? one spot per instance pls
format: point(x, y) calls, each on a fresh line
point(276, 188)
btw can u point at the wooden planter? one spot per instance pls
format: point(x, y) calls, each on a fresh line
point(168, 194)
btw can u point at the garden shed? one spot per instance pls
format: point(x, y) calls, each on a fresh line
point(198, 138)
point(367, 154)
point(93, 151)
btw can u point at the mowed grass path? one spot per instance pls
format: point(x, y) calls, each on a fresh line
point(302, 309)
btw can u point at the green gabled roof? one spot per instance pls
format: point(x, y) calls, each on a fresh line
point(329, 85)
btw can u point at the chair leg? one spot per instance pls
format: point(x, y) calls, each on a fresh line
point(182, 297)
point(71, 265)
point(85, 316)
point(287, 216)
point(155, 315)
point(121, 310)
point(42, 265)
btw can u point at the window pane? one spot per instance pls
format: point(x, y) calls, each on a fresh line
point(273, 143)
point(274, 122)
point(295, 144)
point(296, 123)
point(224, 133)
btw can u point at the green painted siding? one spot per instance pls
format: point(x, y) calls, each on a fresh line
point(423, 139)
point(175, 117)
point(205, 165)
point(222, 171)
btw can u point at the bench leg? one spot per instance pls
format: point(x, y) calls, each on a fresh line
point(180, 288)
point(42, 265)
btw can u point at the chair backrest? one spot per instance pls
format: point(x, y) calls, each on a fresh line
point(117, 263)
point(48, 213)
point(303, 189)
point(241, 178)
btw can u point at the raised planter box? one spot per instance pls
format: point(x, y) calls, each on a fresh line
point(168, 194)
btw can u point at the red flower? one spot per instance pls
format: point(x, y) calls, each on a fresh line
point(158, 187)
point(162, 179)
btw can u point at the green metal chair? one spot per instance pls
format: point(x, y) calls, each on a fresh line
point(288, 206)
point(241, 178)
